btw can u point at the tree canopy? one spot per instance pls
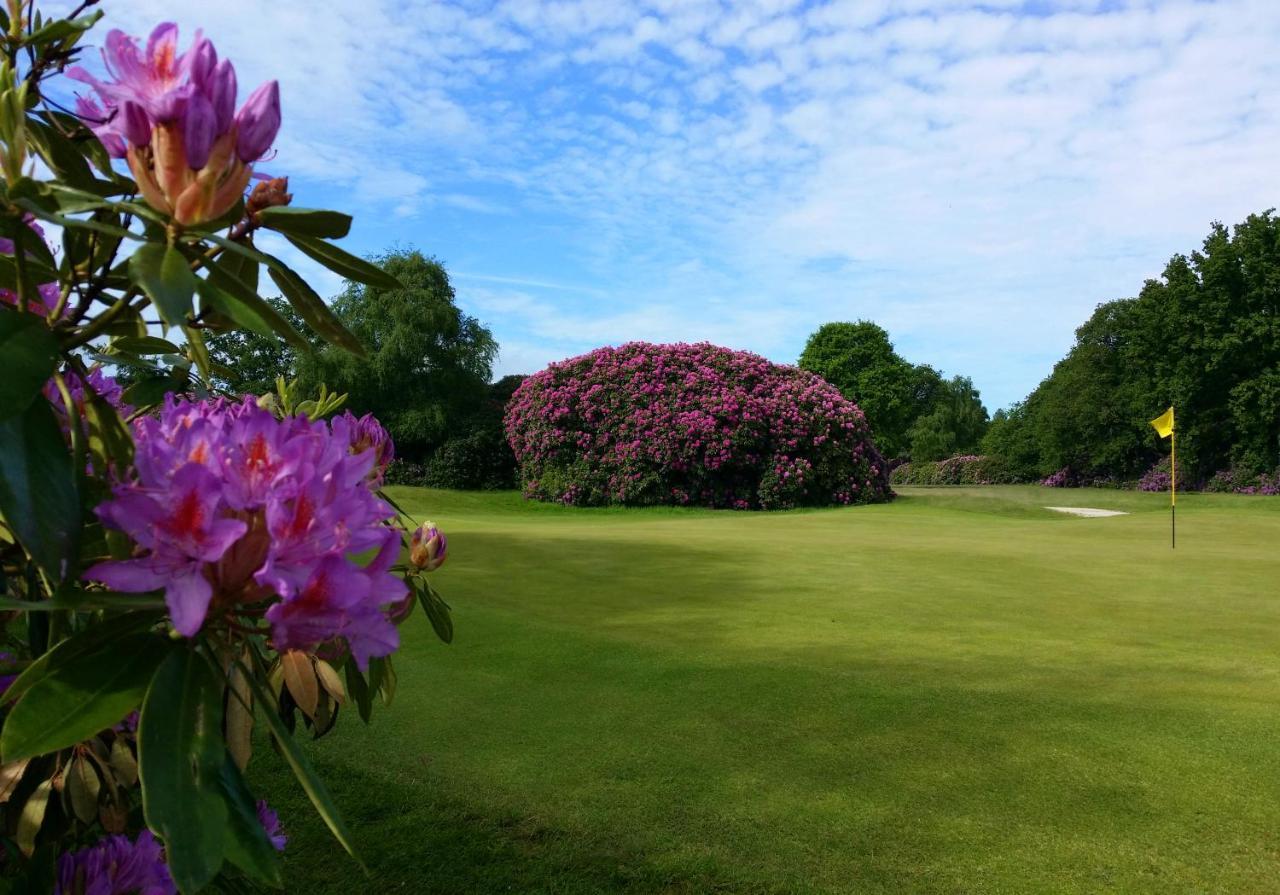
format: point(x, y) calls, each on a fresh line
point(427, 365)
point(1204, 337)
point(904, 403)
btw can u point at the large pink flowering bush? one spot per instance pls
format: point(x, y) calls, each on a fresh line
point(645, 424)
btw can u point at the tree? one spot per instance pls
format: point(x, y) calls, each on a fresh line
point(427, 365)
point(954, 426)
point(859, 359)
point(1204, 337)
point(249, 362)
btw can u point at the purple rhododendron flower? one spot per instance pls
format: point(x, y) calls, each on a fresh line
point(172, 116)
point(231, 506)
point(116, 866)
point(367, 434)
point(271, 824)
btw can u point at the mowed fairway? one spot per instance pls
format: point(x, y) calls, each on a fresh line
point(958, 692)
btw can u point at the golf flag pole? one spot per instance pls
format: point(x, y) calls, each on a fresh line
point(1163, 424)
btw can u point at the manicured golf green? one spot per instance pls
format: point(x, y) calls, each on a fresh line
point(958, 692)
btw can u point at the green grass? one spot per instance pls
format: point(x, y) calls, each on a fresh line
point(958, 692)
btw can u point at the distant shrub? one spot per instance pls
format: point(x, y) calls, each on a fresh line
point(969, 469)
point(1063, 478)
point(1241, 481)
point(1157, 478)
point(479, 460)
point(405, 472)
point(696, 424)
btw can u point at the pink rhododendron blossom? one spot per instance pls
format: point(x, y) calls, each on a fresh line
point(231, 506)
point(172, 116)
point(690, 424)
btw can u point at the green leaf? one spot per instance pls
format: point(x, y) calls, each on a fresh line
point(30, 355)
point(32, 817)
point(145, 345)
point(166, 277)
point(38, 494)
point(437, 610)
point(180, 759)
point(311, 308)
point(229, 296)
point(239, 267)
point(63, 220)
point(197, 352)
point(306, 221)
point(358, 690)
point(301, 767)
point(82, 696)
point(59, 154)
point(68, 650)
point(150, 391)
point(247, 845)
point(344, 263)
point(85, 601)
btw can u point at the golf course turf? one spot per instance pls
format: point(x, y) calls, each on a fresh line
point(960, 691)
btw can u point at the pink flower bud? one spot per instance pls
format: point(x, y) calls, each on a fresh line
point(428, 547)
point(258, 122)
point(199, 130)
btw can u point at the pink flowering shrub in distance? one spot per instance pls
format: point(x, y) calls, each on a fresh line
point(645, 424)
point(969, 469)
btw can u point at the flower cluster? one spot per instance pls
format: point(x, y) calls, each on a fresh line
point(1063, 478)
point(1158, 478)
point(367, 434)
point(234, 510)
point(95, 382)
point(695, 424)
point(1239, 481)
point(173, 117)
point(116, 866)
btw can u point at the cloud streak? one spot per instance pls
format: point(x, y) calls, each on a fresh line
point(976, 176)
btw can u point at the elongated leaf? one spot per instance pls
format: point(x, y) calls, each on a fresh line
point(239, 718)
point(38, 494)
point(84, 601)
point(306, 221)
point(240, 267)
point(247, 845)
point(145, 345)
point(32, 817)
point(437, 610)
point(82, 696)
point(63, 220)
point(166, 277)
point(234, 299)
point(30, 355)
point(358, 689)
point(68, 650)
point(36, 271)
point(311, 308)
point(180, 760)
point(10, 777)
point(342, 262)
point(312, 785)
point(83, 787)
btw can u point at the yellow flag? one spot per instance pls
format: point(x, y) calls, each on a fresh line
point(1164, 423)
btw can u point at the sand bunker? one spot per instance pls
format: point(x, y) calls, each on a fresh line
point(1091, 512)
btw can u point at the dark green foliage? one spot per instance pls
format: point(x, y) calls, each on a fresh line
point(248, 363)
point(428, 363)
point(912, 410)
point(1205, 338)
point(955, 424)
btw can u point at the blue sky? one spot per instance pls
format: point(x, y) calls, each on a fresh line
point(974, 176)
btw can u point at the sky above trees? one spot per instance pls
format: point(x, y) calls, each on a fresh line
point(974, 176)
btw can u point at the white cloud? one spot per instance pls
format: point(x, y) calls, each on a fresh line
point(974, 174)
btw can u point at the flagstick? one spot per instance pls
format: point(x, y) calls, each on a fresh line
point(1173, 490)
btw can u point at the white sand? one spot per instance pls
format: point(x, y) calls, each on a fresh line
point(1091, 512)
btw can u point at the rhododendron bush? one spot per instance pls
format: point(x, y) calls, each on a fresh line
point(177, 567)
point(697, 424)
